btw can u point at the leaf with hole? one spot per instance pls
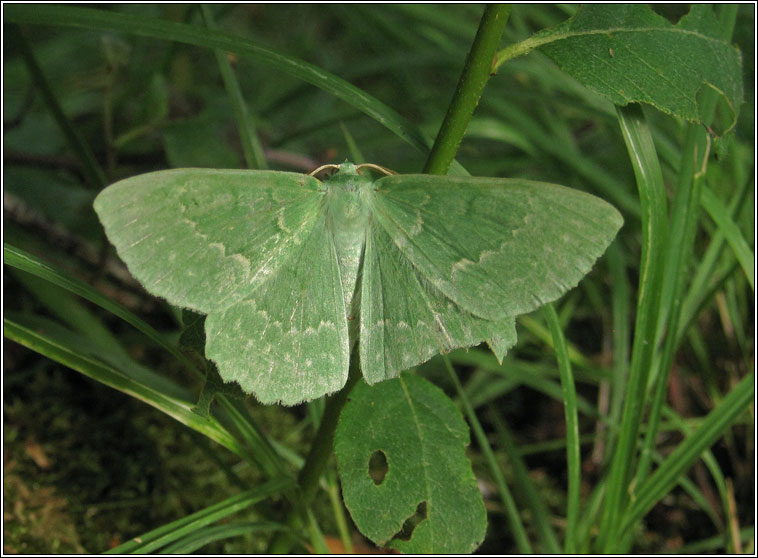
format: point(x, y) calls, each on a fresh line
point(292, 271)
point(401, 456)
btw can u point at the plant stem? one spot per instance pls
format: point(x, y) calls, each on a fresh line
point(519, 49)
point(476, 72)
point(321, 450)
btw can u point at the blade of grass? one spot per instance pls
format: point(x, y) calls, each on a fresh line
point(557, 444)
point(712, 545)
point(543, 334)
point(93, 173)
point(24, 261)
point(69, 310)
point(355, 153)
point(675, 272)
point(317, 536)
point(380, 27)
point(486, 360)
point(260, 446)
point(338, 510)
point(719, 213)
point(592, 511)
point(694, 305)
point(482, 388)
point(653, 203)
point(690, 185)
point(710, 462)
point(90, 347)
point(696, 296)
point(534, 376)
point(107, 374)
point(512, 512)
point(529, 375)
point(735, 310)
point(606, 182)
point(621, 313)
point(681, 459)
point(573, 456)
point(206, 535)
point(251, 143)
point(587, 523)
point(175, 530)
point(429, 14)
point(525, 487)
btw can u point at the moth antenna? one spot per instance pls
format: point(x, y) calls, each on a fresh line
point(323, 167)
point(376, 167)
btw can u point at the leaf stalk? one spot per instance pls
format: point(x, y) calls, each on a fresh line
point(320, 452)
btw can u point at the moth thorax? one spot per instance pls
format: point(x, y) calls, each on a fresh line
point(347, 208)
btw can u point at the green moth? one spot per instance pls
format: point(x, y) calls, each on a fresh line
point(292, 271)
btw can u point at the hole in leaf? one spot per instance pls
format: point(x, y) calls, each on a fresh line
point(671, 12)
point(378, 467)
point(406, 532)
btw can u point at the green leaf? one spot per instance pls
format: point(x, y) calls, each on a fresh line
point(629, 54)
point(422, 438)
point(292, 271)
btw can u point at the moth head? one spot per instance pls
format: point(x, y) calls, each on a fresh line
point(350, 169)
point(347, 169)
